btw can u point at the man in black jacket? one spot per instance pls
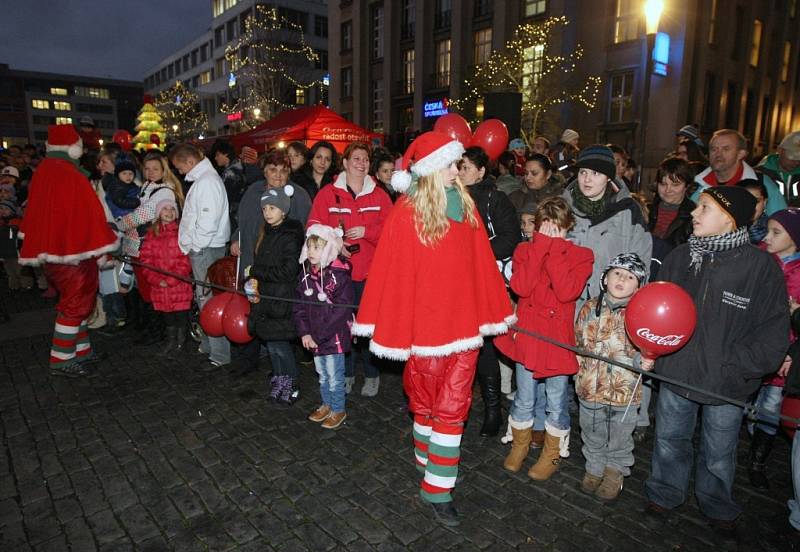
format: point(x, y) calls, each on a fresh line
point(742, 335)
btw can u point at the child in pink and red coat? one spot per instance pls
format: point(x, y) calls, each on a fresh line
point(170, 295)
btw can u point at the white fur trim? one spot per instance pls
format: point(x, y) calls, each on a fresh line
point(362, 330)
point(73, 150)
point(457, 346)
point(498, 327)
point(437, 159)
point(401, 181)
point(563, 438)
point(519, 425)
point(42, 258)
point(388, 352)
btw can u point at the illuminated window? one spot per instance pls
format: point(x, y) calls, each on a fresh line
point(89, 92)
point(347, 35)
point(63, 120)
point(626, 21)
point(377, 32)
point(58, 91)
point(347, 82)
point(787, 56)
point(712, 22)
point(621, 98)
point(205, 77)
point(221, 6)
point(377, 106)
point(442, 78)
point(408, 72)
point(40, 104)
point(300, 96)
point(535, 7)
point(755, 43)
point(532, 71)
point(483, 46)
point(62, 106)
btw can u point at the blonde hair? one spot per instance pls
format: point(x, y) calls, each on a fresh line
point(556, 210)
point(169, 177)
point(317, 240)
point(429, 200)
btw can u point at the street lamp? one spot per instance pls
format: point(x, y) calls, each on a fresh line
point(174, 128)
point(256, 113)
point(652, 14)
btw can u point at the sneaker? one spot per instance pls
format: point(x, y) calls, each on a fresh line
point(349, 382)
point(320, 414)
point(590, 483)
point(445, 513)
point(210, 366)
point(370, 387)
point(72, 369)
point(334, 420)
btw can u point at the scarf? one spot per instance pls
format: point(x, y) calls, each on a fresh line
point(701, 247)
point(592, 209)
point(455, 206)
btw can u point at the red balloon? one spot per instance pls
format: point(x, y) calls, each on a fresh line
point(155, 139)
point(492, 136)
point(123, 139)
point(660, 319)
point(212, 313)
point(234, 320)
point(455, 126)
point(790, 407)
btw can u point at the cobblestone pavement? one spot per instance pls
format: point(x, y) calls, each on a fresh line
point(149, 455)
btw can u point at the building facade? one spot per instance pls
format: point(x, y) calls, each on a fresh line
point(202, 66)
point(727, 64)
point(30, 101)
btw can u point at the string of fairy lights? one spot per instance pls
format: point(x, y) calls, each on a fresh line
point(528, 65)
point(180, 112)
point(272, 61)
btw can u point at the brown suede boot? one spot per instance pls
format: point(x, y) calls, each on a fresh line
point(549, 459)
point(611, 486)
point(537, 441)
point(519, 449)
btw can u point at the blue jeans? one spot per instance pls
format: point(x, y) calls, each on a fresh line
point(218, 348)
point(114, 305)
point(529, 400)
point(768, 402)
point(360, 348)
point(281, 356)
point(673, 455)
point(331, 380)
point(794, 503)
point(554, 390)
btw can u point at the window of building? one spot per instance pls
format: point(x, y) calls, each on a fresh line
point(94, 108)
point(481, 8)
point(766, 115)
point(218, 40)
point(322, 60)
point(206, 77)
point(755, 43)
point(232, 29)
point(442, 14)
point(203, 52)
point(157, 77)
point(712, 22)
point(185, 63)
point(170, 73)
point(164, 74)
point(62, 106)
point(300, 96)
point(194, 58)
point(177, 66)
point(626, 21)
point(219, 67)
point(408, 72)
point(792, 8)
point(90, 92)
point(750, 107)
point(621, 98)
point(40, 104)
point(58, 91)
point(483, 46)
point(779, 123)
point(732, 106)
point(787, 57)
point(294, 17)
point(321, 26)
point(738, 43)
point(532, 71)
point(710, 102)
point(63, 120)
point(442, 75)
point(408, 19)
point(43, 120)
point(377, 105)
point(347, 82)
point(535, 7)
point(218, 7)
point(347, 35)
point(377, 31)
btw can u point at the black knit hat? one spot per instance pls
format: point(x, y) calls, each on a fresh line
point(597, 158)
point(124, 164)
point(737, 202)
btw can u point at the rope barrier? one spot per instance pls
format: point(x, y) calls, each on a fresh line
point(751, 410)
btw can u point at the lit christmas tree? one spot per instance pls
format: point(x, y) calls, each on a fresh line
point(148, 124)
point(180, 113)
point(527, 65)
point(272, 67)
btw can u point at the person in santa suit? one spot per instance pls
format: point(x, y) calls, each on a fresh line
point(433, 293)
point(65, 230)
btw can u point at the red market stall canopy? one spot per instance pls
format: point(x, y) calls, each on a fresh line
point(308, 125)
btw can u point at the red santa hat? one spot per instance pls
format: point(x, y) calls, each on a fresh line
point(429, 153)
point(64, 138)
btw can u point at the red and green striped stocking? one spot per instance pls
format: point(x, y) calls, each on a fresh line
point(444, 453)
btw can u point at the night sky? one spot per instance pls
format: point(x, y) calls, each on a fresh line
point(107, 38)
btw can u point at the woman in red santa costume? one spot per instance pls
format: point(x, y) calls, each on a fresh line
point(65, 230)
point(433, 293)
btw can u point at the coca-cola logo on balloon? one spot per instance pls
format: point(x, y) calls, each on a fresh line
point(660, 319)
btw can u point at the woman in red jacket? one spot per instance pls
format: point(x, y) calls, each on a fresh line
point(359, 206)
point(549, 274)
point(170, 295)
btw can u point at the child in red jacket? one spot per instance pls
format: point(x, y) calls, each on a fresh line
point(170, 295)
point(549, 275)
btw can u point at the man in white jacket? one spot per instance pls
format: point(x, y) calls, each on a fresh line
point(204, 231)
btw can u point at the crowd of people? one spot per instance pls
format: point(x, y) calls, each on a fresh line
point(445, 260)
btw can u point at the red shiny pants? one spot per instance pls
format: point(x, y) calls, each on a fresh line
point(441, 387)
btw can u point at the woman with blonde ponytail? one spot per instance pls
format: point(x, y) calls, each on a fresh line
point(433, 293)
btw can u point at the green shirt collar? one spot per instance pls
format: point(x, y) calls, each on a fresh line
point(455, 207)
point(63, 155)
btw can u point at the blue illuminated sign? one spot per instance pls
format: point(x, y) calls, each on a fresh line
point(436, 108)
point(326, 80)
point(661, 54)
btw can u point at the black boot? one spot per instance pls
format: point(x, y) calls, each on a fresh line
point(760, 447)
point(490, 391)
point(151, 331)
point(169, 342)
point(180, 343)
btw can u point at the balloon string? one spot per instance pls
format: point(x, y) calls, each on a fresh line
point(750, 410)
point(630, 402)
